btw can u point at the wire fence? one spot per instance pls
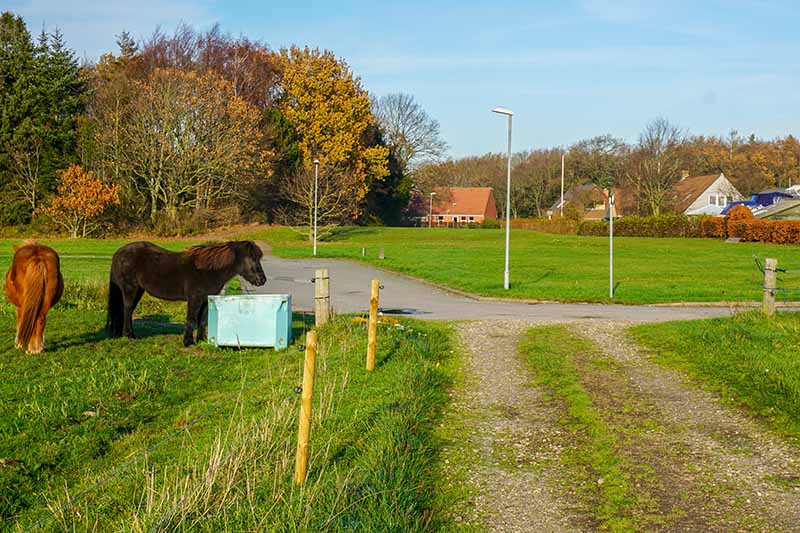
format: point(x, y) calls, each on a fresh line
point(785, 291)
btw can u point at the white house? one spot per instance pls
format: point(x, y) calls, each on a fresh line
point(704, 195)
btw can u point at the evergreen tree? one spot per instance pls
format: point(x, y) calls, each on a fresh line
point(17, 106)
point(41, 95)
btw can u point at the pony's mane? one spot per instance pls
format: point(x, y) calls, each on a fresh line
point(212, 256)
point(27, 242)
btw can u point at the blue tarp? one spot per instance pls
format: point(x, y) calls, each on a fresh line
point(763, 199)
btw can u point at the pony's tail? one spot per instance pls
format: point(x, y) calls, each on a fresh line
point(35, 276)
point(115, 310)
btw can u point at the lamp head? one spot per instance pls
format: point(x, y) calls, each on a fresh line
point(502, 111)
point(316, 161)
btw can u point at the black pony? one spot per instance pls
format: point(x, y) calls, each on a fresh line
point(188, 276)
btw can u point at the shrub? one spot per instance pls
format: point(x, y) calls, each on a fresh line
point(670, 225)
point(490, 224)
point(561, 225)
point(739, 212)
point(771, 231)
point(712, 227)
point(593, 228)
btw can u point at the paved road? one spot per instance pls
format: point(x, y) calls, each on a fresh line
point(350, 286)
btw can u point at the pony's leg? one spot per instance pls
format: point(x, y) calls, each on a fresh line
point(130, 298)
point(202, 322)
point(18, 344)
point(36, 345)
point(192, 309)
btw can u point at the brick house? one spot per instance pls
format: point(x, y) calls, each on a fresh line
point(456, 206)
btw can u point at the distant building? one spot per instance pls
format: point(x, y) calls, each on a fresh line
point(455, 206)
point(704, 195)
point(768, 204)
point(592, 200)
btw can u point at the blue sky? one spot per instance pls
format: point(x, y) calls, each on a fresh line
point(568, 69)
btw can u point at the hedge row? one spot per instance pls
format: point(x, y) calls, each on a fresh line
point(773, 231)
point(657, 226)
point(561, 226)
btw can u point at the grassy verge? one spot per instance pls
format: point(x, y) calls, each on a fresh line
point(72, 415)
point(556, 267)
point(602, 477)
point(751, 360)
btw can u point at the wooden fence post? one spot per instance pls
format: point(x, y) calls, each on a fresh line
point(381, 254)
point(363, 252)
point(372, 339)
point(770, 269)
point(322, 297)
point(304, 429)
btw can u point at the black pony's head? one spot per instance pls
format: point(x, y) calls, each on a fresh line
point(249, 256)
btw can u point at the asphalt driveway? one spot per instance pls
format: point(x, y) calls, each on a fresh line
point(350, 287)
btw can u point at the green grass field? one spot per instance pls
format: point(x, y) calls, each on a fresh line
point(750, 360)
point(558, 267)
point(72, 415)
point(85, 260)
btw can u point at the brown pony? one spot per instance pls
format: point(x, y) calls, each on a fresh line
point(34, 285)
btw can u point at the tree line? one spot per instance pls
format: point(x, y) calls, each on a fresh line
point(199, 128)
point(647, 169)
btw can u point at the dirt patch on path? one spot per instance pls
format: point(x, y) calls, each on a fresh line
point(512, 435)
point(711, 464)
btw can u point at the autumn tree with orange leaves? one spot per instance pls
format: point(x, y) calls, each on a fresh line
point(81, 201)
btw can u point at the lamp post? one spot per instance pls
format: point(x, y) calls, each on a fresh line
point(562, 185)
point(611, 211)
point(316, 187)
point(430, 212)
point(509, 114)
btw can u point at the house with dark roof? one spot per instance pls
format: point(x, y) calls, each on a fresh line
point(592, 200)
point(704, 195)
point(455, 206)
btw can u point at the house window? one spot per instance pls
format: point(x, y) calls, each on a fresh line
point(718, 199)
point(471, 219)
point(441, 217)
point(463, 218)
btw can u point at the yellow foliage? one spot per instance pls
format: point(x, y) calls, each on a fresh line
point(330, 112)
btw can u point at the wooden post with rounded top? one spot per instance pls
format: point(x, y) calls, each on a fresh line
point(372, 339)
point(322, 297)
point(304, 430)
point(770, 269)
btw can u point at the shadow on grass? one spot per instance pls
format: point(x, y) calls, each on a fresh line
point(344, 233)
point(542, 277)
point(302, 322)
point(143, 327)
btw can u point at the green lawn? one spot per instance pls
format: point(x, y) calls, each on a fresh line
point(68, 417)
point(86, 259)
point(749, 359)
point(558, 267)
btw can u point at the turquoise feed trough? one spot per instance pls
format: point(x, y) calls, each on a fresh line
point(250, 320)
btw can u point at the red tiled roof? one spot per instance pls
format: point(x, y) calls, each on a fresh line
point(463, 201)
point(688, 189)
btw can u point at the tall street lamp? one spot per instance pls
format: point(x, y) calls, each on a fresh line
point(430, 212)
point(509, 114)
point(316, 187)
point(562, 185)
